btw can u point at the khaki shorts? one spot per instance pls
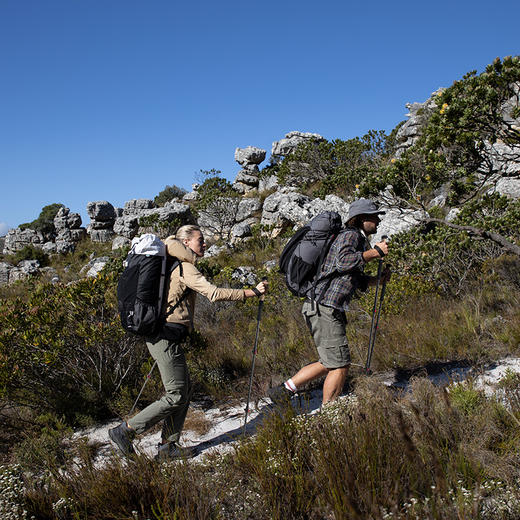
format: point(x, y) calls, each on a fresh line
point(327, 326)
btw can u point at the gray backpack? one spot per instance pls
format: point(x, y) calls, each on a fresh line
point(302, 257)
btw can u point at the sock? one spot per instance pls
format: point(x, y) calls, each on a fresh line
point(290, 385)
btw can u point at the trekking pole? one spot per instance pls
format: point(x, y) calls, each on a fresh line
point(142, 388)
point(375, 310)
point(260, 306)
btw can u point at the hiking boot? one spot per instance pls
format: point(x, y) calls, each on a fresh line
point(280, 395)
point(122, 437)
point(172, 451)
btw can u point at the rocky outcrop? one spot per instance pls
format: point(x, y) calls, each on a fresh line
point(292, 140)
point(94, 267)
point(192, 195)
point(330, 203)
point(268, 182)
point(23, 270)
point(286, 208)
point(102, 215)
point(249, 158)
point(17, 239)
point(140, 216)
point(418, 115)
point(396, 221)
point(230, 219)
point(68, 232)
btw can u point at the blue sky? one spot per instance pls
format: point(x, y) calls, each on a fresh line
point(114, 100)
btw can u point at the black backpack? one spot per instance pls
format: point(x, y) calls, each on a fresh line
point(302, 258)
point(141, 287)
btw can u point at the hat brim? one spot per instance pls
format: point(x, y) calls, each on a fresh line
point(366, 213)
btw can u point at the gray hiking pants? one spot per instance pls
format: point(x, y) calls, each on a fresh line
point(173, 405)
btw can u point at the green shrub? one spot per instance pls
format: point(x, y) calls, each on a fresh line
point(29, 252)
point(62, 348)
point(169, 193)
point(45, 221)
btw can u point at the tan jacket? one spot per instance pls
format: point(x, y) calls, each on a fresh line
point(191, 278)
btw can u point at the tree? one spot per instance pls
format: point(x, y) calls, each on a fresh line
point(474, 114)
point(169, 193)
point(45, 221)
point(458, 151)
point(217, 204)
point(335, 166)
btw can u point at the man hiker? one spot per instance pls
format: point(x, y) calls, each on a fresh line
point(185, 282)
point(341, 274)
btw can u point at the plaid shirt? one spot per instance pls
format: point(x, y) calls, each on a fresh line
point(343, 270)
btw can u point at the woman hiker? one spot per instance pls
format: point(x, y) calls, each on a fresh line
point(185, 282)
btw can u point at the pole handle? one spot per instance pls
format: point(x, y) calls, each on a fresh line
point(262, 297)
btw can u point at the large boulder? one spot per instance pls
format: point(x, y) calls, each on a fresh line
point(24, 270)
point(397, 220)
point(120, 242)
point(101, 211)
point(247, 208)
point(103, 216)
point(64, 219)
point(69, 231)
point(5, 268)
point(508, 186)
point(330, 203)
point(242, 230)
point(249, 155)
point(217, 220)
point(17, 239)
point(126, 226)
point(140, 215)
point(285, 208)
point(502, 158)
point(418, 115)
point(268, 182)
point(292, 140)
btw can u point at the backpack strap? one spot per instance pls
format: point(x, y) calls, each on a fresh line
point(171, 310)
point(329, 277)
point(318, 278)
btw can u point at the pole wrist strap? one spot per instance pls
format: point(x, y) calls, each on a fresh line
point(379, 251)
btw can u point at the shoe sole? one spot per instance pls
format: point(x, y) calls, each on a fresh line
point(121, 448)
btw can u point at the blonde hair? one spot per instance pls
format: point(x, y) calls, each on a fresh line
point(186, 232)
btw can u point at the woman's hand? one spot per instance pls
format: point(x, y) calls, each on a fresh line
point(259, 290)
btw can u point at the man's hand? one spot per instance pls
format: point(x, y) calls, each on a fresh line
point(375, 252)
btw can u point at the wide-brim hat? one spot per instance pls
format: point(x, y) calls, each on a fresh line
point(363, 207)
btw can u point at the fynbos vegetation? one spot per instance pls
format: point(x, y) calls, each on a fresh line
point(432, 452)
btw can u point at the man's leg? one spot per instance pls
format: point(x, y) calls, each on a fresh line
point(309, 373)
point(333, 384)
point(327, 326)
